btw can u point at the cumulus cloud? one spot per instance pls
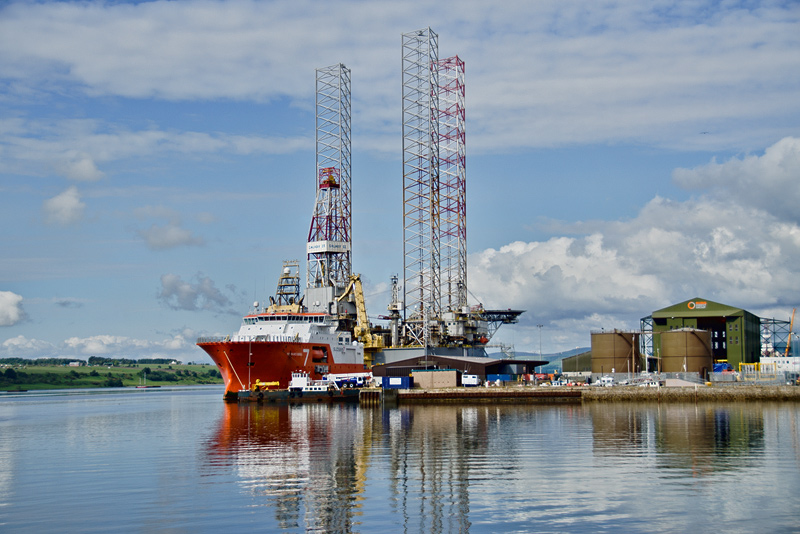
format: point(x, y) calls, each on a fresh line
point(198, 294)
point(769, 182)
point(724, 245)
point(104, 344)
point(64, 208)
point(123, 346)
point(20, 346)
point(11, 311)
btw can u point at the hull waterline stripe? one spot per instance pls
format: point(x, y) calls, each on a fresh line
point(233, 369)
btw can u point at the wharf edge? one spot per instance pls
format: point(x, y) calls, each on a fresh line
point(581, 395)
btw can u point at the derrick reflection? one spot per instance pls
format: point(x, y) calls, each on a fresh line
point(306, 461)
point(311, 464)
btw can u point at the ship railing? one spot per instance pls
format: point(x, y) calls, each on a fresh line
point(212, 339)
point(245, 339)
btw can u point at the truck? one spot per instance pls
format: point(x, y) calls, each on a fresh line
point(470, 380)
point(349, 380)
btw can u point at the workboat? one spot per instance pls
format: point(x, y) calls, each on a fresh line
point(302, 389)
point(276, 340)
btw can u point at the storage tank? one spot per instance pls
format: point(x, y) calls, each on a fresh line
point(688, 347)
point(615, 352)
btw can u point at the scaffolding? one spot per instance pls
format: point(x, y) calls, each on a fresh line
point(330, 235)
point(774, 336)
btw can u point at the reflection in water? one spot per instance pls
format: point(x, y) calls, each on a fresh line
point(701, 439)
point(305, 460)
point(472, 468)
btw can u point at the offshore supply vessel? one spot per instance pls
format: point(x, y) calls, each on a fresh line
point(327, 330)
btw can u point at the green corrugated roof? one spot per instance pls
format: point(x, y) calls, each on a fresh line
point(698, 307)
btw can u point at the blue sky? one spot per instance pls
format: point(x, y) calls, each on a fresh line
point(157, 161)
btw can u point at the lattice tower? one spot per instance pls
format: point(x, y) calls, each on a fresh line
point(421, 218)
point(330, 236)
point(452, 183)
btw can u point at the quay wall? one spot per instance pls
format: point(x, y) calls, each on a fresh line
point(572, 395)
point(692, 394)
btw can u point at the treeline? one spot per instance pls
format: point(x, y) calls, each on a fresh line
point(93, 360)
point(39, 361)
point(73, 378)
point(114, 362)
point(169, 375)
point(42, 377)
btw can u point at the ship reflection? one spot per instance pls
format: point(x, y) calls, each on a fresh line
point(311, 464)
point(292, 458)
point(699, 440)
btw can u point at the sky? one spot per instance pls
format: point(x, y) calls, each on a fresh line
point(157, 161)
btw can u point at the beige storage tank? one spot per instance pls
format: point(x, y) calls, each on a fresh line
point(686, 351)
point(616, 352)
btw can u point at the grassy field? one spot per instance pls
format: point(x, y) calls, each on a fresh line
point(30, 377)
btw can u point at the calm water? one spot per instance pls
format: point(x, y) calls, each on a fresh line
point(181, 460)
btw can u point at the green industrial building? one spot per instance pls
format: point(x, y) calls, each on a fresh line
point(735, 334)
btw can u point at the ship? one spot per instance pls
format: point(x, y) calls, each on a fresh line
point(286, 336)
point(282, 338)
point(327, 330)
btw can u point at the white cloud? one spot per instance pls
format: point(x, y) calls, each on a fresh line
point(20, 346)
point(770, 182)
point(196, 295)
point(539, 73)
point(11, 311)
point(73, 147)
point(80, 167)
point(64, 208)
point(123, 346)
point(725, 246)
point(170, 235)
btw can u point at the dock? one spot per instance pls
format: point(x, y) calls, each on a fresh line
point(579, 395)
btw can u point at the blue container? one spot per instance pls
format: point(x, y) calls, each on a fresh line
point(397, 382)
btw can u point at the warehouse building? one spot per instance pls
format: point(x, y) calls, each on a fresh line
point(692, 335)
point(480, 366)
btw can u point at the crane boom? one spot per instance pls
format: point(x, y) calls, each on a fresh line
point(362, 332)
point(791, 326)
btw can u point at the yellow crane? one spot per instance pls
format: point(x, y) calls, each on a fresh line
point(362, 332)
point(789, 340)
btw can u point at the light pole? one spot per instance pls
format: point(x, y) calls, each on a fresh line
point(539, 326)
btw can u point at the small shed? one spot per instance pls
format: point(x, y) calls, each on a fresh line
point(436, 378)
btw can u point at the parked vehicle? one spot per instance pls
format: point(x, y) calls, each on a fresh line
point(605, 381)
point(470, 380)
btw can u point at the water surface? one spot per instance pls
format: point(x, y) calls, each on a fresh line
point(181, 460)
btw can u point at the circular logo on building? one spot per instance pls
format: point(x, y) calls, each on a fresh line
point(691, 305)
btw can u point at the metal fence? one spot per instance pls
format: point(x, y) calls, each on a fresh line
point(754, 377)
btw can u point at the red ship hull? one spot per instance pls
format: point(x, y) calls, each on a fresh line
point(241, 363)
